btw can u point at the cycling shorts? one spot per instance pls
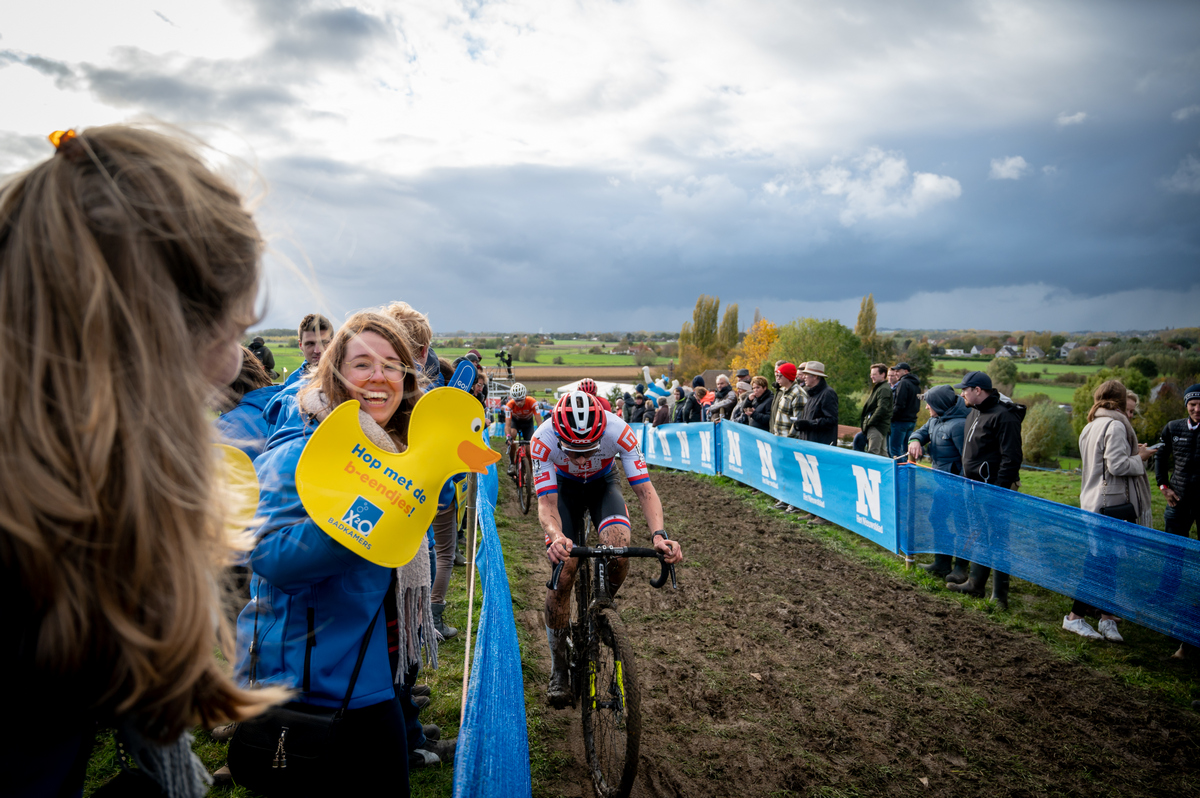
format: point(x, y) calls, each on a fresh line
point(523, 427)
point(601, 498)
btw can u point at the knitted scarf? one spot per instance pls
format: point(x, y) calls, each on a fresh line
point(414, 614)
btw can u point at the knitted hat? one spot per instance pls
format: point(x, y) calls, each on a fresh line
point(787, 371)
point(1191, 393)
point(697, 381)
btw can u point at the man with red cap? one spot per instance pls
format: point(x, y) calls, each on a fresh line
point(788, 403)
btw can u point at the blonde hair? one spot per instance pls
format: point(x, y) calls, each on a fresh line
point(414, 323)
point(330, 382)
point(252, 376)
point(120, 257)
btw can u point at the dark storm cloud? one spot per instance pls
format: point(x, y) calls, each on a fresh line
point(334, 36)
point(63, 75)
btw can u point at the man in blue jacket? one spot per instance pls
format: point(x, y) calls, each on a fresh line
point(942, 439)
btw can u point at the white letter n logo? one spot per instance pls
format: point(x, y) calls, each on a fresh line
point(868, 491)
point(809, 473)
point(662, 441)
point(764, 455)
point(735, 448)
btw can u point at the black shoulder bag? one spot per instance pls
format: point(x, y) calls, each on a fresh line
point(1121, 512)
point(284, 750)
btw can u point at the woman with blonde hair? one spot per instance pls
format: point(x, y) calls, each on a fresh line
point(315, 603)
point(1113, 483)
point(128, 273)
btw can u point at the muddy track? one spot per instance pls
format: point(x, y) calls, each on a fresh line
point(783, 668)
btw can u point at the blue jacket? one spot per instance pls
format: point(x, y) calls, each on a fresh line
point(942, 435)
point(282, 409)
point(244, 426)
point(314, 598)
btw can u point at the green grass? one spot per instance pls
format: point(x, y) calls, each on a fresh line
point(1022, 365)
point(571, 356)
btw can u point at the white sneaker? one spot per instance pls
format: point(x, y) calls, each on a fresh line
point(1081, 627)
point(1108, 629)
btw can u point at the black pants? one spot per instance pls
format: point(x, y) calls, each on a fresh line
point(371, 752)
point(1183, 516)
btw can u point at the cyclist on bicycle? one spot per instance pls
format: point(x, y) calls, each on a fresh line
point(519, 413)
point(573, 454)
point(588, 385)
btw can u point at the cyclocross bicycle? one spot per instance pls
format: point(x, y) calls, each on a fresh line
point(524, 477)
point(602, 668)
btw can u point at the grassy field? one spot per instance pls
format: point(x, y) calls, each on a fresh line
point(1022, 365)
point(945, 373)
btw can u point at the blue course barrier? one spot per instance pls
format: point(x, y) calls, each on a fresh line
point(1149, 577)
point(1143, 575)
point(492, 758)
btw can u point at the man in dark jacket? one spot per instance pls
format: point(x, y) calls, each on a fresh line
point(687, 409)
point(1177, 473)
point(722, 406)
point(818, 422)
point(991, 453)
point(877, 412)
point(258, 348)
point(904, 410)
point(942, 439)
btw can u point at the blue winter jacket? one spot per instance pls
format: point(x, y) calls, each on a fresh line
point(244, 427)
point(314, 598)
point(942, 435)
point(282, 409)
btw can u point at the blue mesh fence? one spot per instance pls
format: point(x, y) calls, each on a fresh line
point(492, 758)
point(1149, 577)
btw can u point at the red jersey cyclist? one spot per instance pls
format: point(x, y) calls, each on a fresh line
point(588, 385)
point(573, 453)
point(519, 414)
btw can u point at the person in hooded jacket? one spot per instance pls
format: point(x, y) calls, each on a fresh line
point(258, 348)
point(941, 437)
point(991, 454)
point(241, 423)
point(687, 408)
point(905, 407)
point(315, 600)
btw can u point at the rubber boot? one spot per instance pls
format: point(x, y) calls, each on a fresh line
point(975, 583)
point(559, 692)
point(1000, 590)
point(940, 567)
point(443, 629)
point(960, 572)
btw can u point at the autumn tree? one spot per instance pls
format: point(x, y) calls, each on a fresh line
point(838, 348)
point(756, 347)
point(877, 348)
point(728, 335)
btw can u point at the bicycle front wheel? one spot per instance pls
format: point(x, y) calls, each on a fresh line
point(525, 489)
point(612, 718)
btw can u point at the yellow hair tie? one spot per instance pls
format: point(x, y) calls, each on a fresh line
point(60, 137)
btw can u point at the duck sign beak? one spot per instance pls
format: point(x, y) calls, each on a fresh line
point(476, 457)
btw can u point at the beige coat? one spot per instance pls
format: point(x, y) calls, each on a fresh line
point(1112, 471)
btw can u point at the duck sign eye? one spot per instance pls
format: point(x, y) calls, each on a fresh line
point(476, 425)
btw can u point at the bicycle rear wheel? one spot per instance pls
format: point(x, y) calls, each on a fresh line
point(525, 482)
point(612, 719)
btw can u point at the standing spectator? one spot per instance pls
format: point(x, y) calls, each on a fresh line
point(129, 272)
point(941, 437)
point(663, 413)
point(877, 412)
point(1177, 472)
point(258, 347)
point(759, 403)
point(1113, 469)
point(893, 378)
point(314, 334)
point(743, 375)
point(904, 410)
point(742, 392)
point(818, 423)
point(687, 409)
point(638, 414)
point(420, 336)
point(786, 407)
point(991, 454)
point(724, 400)
point(241, 423)
point(702, 397)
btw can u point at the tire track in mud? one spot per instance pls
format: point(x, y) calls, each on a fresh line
point(781, 667)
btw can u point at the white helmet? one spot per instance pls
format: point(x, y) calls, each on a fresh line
point(517, 392)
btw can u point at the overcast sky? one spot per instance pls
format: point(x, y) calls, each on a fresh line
point(597, 165)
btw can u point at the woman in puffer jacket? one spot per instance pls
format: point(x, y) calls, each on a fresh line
point(314, 599)
point(1113, 471)
point(941, 437)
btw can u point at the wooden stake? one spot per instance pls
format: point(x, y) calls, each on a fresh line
point(473, 523)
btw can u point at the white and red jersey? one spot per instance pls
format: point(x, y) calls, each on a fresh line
point(550, 463)
point(524, 411)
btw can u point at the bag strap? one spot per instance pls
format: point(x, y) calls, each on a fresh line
point(362, 650)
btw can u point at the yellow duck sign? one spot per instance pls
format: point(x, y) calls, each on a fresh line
point(377, 503)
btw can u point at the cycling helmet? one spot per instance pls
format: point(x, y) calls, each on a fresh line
point(517, 392)
point(587, 385)
point(579, 421)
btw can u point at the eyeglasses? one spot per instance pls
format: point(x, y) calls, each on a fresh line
point(364, 369)
point(577, 454)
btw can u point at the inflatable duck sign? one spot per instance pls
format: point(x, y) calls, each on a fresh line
point(379, 504)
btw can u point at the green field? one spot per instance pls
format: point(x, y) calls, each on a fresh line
point(1022, 365)
point(572, 355)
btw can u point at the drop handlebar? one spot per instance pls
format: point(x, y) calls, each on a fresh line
point(619, 551)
